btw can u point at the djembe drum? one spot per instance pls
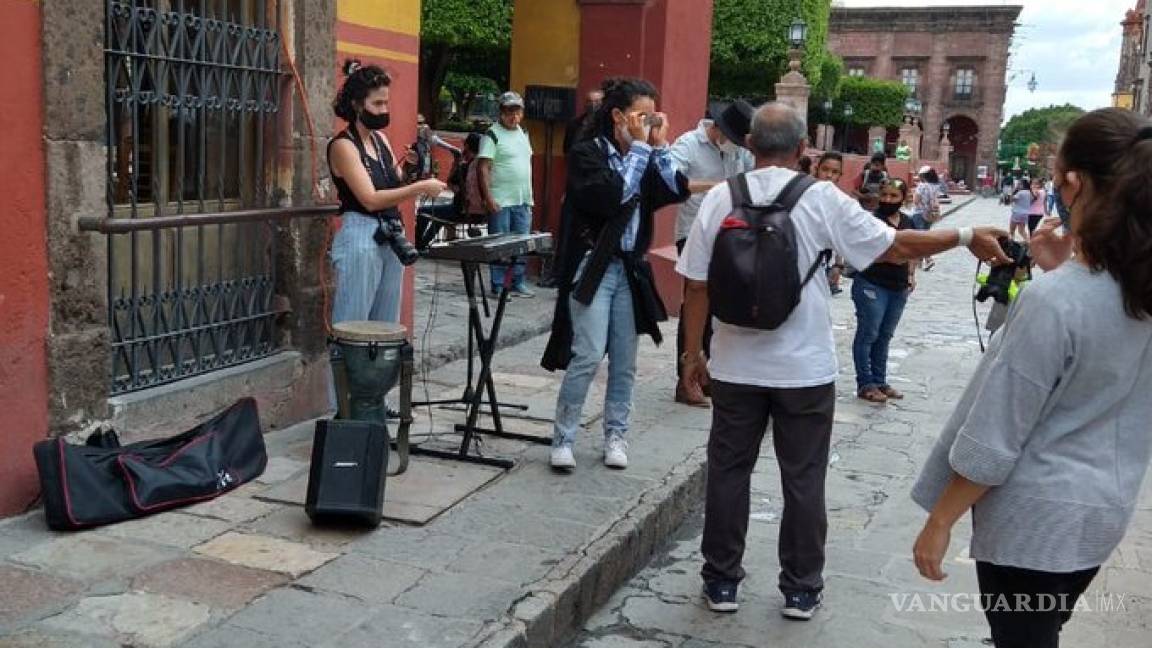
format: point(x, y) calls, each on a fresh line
point(373, 356)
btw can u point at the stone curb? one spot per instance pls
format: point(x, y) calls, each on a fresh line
point(554, 607)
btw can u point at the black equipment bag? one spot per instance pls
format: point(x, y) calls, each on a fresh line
point(754, 276)
point(348, 472)
point(86, 486)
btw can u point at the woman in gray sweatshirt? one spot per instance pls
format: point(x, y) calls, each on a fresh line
point(1051, 440)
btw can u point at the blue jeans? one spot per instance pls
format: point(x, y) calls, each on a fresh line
point(878, 311)
point(606, 326)
point(369, 277)
point(1050, 203)
point(516, 219)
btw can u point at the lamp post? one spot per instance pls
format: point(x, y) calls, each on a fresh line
point(793, 88)
point(824, 132)
point(848, 112)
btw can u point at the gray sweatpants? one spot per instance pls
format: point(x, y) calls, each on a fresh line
point(801, 432)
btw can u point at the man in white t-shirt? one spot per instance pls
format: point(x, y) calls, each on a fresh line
point(787, 374)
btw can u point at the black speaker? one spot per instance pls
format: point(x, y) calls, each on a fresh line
point(349, 466)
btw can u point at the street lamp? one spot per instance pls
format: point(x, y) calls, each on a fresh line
point(848, 112)
point(798, 33)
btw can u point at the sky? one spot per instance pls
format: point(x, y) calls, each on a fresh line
point(1072, 45)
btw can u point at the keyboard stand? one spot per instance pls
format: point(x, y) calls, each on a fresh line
point(473, 397)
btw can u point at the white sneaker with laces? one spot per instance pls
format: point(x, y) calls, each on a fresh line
point(616, 453)
point(562, 458)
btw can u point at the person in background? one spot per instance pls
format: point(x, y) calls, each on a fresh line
point(618, 177)
point(926, 206)
point(418, 161)
point(1036, 211)
point(579, 124)
point(1049, 444)
point(505, 167)
point(431, 218)
point(707, 156)
point(870, 180)
point(880, 293)
point(903, 151)
point(1021, 206)
point(804, 165)
point(830, 167)
point(1049, 197)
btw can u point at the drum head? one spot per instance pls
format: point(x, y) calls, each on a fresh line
point(369, 332)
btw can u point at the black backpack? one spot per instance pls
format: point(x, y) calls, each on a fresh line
point(754, 278)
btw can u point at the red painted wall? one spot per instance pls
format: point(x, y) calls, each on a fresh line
point(23, 256)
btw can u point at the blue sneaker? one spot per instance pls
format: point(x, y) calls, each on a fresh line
point(721, 596)
point(801, 605)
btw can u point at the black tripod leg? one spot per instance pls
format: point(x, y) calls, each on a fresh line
point(487, 346)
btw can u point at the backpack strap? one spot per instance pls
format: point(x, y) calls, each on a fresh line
point(738, 188)
point(787, 199)
point(491, 133)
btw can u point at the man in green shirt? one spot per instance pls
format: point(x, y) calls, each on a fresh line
point(505, 169)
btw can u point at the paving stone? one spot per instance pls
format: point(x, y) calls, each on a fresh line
point(26, 591)
point(416, 547)
point(215, 584)
point(133, 618)
point(280, 469)
point(232, 636)
point(397, 627)
point(309, 618)
point(172, 529)
point(474, 597)
point(38, 637)
point(291, 523)
point(373, 581)
point(233, 508)
point(19, 533)
point(513, 563)
point(265, 552)
point(89, 557)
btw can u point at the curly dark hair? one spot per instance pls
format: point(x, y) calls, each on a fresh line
point(359, 81)
point(830, 155)
point(619, 93)
point(1112, 151)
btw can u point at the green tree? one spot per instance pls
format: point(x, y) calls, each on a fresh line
point(875, 102)
point(449, 27)
point(750, 44)
point(1036, 126)
point(465, 88)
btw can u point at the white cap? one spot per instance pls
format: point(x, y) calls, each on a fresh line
point(924, 169)
point(511, 99)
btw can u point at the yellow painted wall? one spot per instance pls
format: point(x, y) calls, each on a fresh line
point(545, 51)
point(1122, 100)
point(396, 15)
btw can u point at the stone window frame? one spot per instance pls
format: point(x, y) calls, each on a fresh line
point(963, 82)
point(914, 87)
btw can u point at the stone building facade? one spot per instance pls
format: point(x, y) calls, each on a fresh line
point(953, 59)
point(1132, 77)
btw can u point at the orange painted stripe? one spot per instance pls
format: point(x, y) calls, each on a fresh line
point(373, 37)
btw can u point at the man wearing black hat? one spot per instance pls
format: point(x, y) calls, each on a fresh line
point(708, 156)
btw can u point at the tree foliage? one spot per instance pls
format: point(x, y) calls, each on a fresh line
point(750, 44)
point(459, 30)
point(875, 102)
point(1039, 125)
point(465, 88)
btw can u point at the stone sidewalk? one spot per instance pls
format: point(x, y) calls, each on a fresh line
point(876, 455)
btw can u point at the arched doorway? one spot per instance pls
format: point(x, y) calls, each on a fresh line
point(964, 135)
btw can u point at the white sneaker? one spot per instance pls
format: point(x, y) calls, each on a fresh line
point(615, 453)
point(562, 458)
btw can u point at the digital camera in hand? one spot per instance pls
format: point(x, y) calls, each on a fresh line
point(391, 232)
point(1000, 278)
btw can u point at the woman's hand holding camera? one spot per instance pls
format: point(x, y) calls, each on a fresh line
point(431, 187)
point(637, 125)
point(658, 136)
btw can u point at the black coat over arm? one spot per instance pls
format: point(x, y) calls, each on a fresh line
point(593, 221)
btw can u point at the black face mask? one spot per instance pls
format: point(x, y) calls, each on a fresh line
point(373, 121)
point(887, 209)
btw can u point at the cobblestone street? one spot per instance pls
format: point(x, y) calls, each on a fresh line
point(876, 454)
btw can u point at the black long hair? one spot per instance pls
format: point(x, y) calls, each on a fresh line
point(359, 81)
point(1113, 149)
point(619, 93)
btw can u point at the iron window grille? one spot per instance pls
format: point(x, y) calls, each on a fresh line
point(193, 91)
